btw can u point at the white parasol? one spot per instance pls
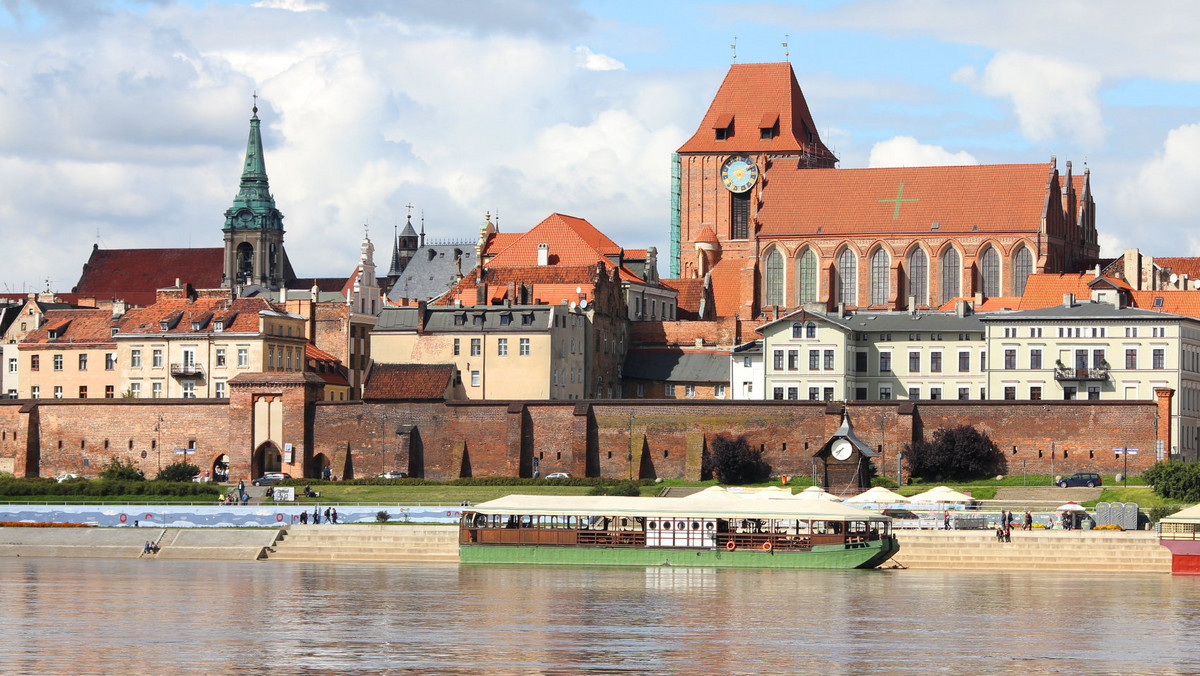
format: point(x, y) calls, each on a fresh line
point(1071, 507)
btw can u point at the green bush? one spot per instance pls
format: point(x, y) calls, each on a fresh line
point(178, 471)
point(21, 488)
point(382, 516)
point(119, 469)
point(885, 482)
point(627, 488)
point(732, 461)
point(1157, 514)
point(1175, 480)
point(959, 453)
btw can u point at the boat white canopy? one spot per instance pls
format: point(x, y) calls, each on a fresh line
point(710, 505)
point(1189, 515)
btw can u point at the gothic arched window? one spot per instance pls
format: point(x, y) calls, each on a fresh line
point(847, 268)
point(773, 280)
point(1022, 268)
point(951, 268)
point(990, 267)
point(918, 276)
point(808, 277)
point(880, 277)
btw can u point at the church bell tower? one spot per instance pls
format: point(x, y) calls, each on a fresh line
point(253, 229)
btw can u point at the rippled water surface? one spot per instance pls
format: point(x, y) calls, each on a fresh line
point(61, 616)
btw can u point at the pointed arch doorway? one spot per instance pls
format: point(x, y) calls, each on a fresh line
point(267, 458)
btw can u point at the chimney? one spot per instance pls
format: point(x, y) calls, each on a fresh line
point(1096, 272)
point(543, 254)
point(1068, 300)
point(699, 342)
point(118, 308)
point(962, 308)
point(420, 316)
point(841, 309)
point(481, 294)
point(912, 305)
point(978, 299)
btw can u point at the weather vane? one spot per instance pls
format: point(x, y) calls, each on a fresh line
point(734, 48)
point(786, 54)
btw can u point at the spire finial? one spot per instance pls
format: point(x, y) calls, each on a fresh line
point(409, 206)
point(366, 228)
point(255, 108)
point(734, 48)
point(786, 54)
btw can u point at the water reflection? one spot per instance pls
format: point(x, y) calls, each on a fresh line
point(183, 617)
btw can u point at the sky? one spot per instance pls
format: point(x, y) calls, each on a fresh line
point(123, 123)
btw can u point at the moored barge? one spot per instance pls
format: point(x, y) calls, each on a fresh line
point(713, 528)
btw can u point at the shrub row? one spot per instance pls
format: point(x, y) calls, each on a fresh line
point(103, 487)
point(480, 481)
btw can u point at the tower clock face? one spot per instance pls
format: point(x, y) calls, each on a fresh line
point(841, 449)
point(739, 173)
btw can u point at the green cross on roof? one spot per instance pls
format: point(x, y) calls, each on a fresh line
point(900, 198)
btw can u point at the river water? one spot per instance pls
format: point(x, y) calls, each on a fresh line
point(80, 616)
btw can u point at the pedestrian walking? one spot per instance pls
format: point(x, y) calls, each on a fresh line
point(333, 515)
point(1028, 520)
point(946, 520)
point(316, 519)
point(241, 490)
point(327, 515)
point(303, 518)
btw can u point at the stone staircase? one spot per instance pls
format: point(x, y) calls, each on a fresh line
point(367, 543)
point(1075, 551)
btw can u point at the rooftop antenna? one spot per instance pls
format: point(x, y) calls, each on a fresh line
point(786, 54)
point(734, 48)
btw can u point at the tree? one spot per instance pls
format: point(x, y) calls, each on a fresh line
point(178, 471)
point(121, 470)
point(732, 461)
point(1175, 480)
point(957, 454)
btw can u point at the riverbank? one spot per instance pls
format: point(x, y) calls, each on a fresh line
point(1078, 551)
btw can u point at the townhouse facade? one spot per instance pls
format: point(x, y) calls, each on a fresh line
point(72, 355)
point(500, 351)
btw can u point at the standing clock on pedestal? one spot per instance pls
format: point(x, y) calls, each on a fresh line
point(739, 173)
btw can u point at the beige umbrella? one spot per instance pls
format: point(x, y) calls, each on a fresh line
point(878, 494)
point(817, 493)
point(1071, 507)
point(942, 494)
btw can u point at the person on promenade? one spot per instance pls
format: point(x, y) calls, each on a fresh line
point(333, 515)
point(241, 489)
point(1005, 517)
point(1008, 531)
point(1028, 521)
point(146, 549)
point(316, 517)
point(327, 515)
point(303, 518)
point(1050, 523)
point(946, 521)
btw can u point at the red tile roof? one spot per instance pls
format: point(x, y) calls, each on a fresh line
point(1188, 265)
point(551, 284)
point(989, 304)
point(134, 274)
point(691, 293)
point(408, 381)
point(327, 367)
point(752, 94)
point(239, 315)
point(1007, 198)
point(1185, 303)
point(727, 277)
point(573, 241)
point(1046, 289)
point(499, 242)
point(74, 325)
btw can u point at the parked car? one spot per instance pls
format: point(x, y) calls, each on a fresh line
point(392, 475)
point(558, 475)
point(66, 477)
point(1089, 479)
point(271, 478)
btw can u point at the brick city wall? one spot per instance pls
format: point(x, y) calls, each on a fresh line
point(448, 440)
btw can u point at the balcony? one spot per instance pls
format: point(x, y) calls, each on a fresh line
point(192, 370)
point(1067, 373)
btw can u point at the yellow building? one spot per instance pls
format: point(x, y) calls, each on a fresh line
point(191, 343)
point(500, 351)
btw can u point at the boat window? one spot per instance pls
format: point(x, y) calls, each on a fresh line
point(653, 525)
point(679, 525)
point(695, 525)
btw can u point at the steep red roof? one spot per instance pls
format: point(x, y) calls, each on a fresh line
point(572, 241)
point(727, 287)
point(551, 284)
point(1183, 265)
point(691, 292)
point(239, 315)
point(326, 366)
point(499, 242)
point(755, 94)
point(1005, 198)
point(134, 274)
point(74, 325)
point(1185, 303)
point(408, 381)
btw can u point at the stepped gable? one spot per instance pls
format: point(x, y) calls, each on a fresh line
point(409, 381)
point(962, 199)
point(134, 275)
point(752, 97)
point(73, 325)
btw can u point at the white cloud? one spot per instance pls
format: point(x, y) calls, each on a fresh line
point(906, 151)
point(593, 61)
point(1050, 98)
point(1165, 187)
point(293, 5)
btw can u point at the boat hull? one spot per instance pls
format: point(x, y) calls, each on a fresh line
point(863, 555)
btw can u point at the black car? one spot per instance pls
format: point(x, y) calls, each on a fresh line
point(1089, 479)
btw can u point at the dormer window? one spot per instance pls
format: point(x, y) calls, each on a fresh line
point(527, 319)
point(460, 319)
point(115, 331)
point(1158, 303)
point(768, 127)
point(195, 326)
point(219, 325)
point(505, 319)
point(724, 127)
point(53, 333)
point(164, 325)
point(477, 320)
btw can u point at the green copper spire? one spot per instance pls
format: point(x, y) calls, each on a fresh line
point(254, 207)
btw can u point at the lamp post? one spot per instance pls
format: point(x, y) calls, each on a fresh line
point(158, 441)
point(383, 433)
point(899, 457)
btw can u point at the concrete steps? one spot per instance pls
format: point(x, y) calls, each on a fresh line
point(368, 543)
point(1082, 551)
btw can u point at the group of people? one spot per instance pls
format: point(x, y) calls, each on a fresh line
point(150, 548)
point(331, 516)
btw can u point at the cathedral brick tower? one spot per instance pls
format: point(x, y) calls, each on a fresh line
point(254, 255)
point(759, 208)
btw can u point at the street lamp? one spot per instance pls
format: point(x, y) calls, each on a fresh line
point(629, 460)
point(158, 440)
